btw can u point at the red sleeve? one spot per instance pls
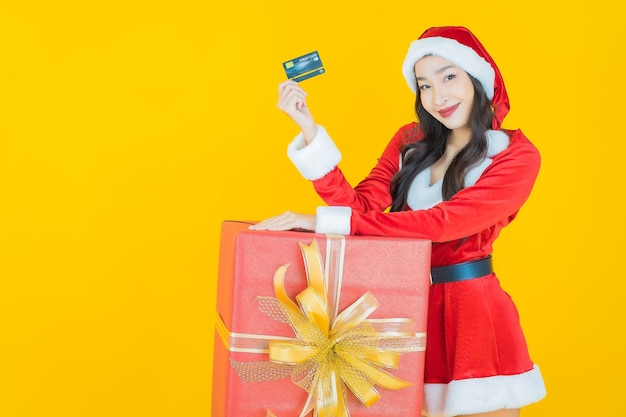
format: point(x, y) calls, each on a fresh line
point(496, 197)
point(371, 194)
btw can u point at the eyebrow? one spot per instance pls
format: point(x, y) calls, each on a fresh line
point(439, 71)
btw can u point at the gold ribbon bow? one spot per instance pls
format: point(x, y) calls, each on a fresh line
point(331, 352)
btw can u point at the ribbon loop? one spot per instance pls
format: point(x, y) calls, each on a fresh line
point(355, 314)
point(313, 265)
point(291, 352)
point(314, 308)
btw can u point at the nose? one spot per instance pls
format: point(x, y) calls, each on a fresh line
point(439, 95)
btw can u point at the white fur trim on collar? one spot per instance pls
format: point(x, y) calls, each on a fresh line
point(460, 55)
point(423, 196)
point(497, 141)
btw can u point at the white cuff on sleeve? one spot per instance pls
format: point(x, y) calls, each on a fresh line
point(316, 159)
point(335, 219)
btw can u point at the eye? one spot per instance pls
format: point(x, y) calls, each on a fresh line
point(423, 87)
point(449, 77)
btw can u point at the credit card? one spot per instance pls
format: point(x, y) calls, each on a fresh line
point(304, 67)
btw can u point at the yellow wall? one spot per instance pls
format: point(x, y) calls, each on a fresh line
point(129, 130)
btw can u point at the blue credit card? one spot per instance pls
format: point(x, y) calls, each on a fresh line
point(304, 67)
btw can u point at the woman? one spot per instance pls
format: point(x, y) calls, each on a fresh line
point(456, 179)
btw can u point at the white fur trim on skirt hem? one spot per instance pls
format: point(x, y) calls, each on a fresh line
point(481, 395)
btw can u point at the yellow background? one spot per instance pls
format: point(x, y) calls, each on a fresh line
point(130, 129)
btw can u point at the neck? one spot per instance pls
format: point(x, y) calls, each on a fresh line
point(458, 138)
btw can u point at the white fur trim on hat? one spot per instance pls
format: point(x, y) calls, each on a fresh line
point(460, 55)
point(481, 395)
point(334, 219)
point(316, 159)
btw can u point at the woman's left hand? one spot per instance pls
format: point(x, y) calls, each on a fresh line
point(287, 221)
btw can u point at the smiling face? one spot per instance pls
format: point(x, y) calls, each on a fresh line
point(446, 92)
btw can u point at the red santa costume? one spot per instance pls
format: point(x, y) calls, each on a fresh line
point(476, 357)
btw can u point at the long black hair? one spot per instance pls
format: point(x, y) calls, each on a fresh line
point(419, 155)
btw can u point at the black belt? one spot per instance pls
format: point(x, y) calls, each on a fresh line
point(462, 271)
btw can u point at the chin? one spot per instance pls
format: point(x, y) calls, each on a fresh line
point(452, 125)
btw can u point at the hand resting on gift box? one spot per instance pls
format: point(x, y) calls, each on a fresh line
point(287, 221)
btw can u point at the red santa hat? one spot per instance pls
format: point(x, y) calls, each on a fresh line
point(459, 46)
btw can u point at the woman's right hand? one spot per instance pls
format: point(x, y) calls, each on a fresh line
point(287, 221)
point(292, 101)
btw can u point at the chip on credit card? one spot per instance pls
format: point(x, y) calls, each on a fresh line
point(304, 67)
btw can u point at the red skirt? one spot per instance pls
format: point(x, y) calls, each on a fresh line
point(476, 356)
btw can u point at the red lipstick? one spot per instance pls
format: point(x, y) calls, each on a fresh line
point(448, 111)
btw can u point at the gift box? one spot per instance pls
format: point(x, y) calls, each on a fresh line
point(388, 277)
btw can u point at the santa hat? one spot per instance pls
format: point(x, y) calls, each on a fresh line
point(459, 46)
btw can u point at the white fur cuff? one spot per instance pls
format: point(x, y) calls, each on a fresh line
point(335, 219)
point(316, 159)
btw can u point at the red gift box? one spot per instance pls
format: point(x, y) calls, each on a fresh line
point(395, 270)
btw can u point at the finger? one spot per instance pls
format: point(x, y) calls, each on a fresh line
point(290, 88)
point(285, 221)
point(289, 91)
point(271, 222)
point(292, 100)
point(287, 84)
point(281, 223)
